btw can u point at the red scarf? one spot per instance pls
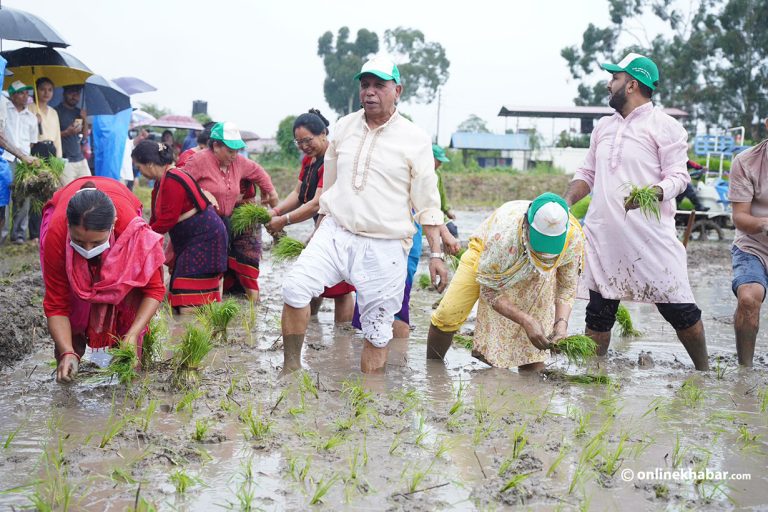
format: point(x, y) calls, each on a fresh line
point(114, 294)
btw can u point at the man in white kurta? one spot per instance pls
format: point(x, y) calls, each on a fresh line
point(378, 168)
point(631, 256)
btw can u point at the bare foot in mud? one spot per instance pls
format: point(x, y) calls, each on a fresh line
point(373, 359)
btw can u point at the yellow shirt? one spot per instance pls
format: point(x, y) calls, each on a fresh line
point(374, 177)
point(50, 125)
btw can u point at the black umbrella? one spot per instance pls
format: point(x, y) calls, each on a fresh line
point(104, 97)
point(17, 25)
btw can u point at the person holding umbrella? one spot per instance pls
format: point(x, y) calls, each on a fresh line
point(219, 170)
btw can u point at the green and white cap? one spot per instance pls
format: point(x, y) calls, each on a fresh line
point(382, 67)
point(640, 67)
point(18, 86)
point(548, 223)
point(439, 153)
point(228, 134)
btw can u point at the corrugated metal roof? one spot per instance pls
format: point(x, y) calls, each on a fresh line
point(491, 141)
point(572, 112)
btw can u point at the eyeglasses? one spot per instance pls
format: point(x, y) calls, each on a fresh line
point(303, 142)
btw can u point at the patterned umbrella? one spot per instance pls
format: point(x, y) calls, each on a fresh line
point(174, 121)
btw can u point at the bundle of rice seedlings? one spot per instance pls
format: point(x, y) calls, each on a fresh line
point(647, 199)
point(246, 216)
point(589, 378)
point(287, 248)
point(578, 348)
point(38, 183)
point(195, 345)
point(625, 322)
point(454, 260)
point(123, 363)
point(216, 316)
point(152, 347)
point(424, 281)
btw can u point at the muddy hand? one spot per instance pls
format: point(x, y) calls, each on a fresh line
point(535, 333)
point(439, 274)
point(66, 371)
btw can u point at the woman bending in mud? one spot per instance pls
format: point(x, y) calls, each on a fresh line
point(219, 170)
point(310, 132)
point(523, 263)
point(198, 235)
point(102, 268)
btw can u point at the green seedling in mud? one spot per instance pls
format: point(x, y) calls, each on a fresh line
point(114, 426)
point(646, 198)
point(613, 460)
point(257, 427)
point(195, 345)
point(424, 281)
point(182, 481)
point(216, 316)
point(322, 487)
point(678, 452)
point(307, 384)
point(459, 403)
point(661, 491)
point(580, 475)
point(721, 368)
point(201, 429)
point(623, 318)
point(564, 450)
point(300, 409)
point(583, 422)
point(245, 493)
point(344, 424)
point(762, 397)
point(245, 217)
point(422, 433)
point(463, 341)
point(152, 346)
point(519, 441)
point(123, 364)
point(746, 438)
point(121, 476)
point(11, 436)
point(690, 393)
point(188, 400)
point(332, 442)
point(455, 259)
point(482, 406)
point(146, 417)
point(577, 348)
point(417, 476)
point(411, 398)
point(287, 248)
point(514, 482)
point(445, 447)
point(299, 471)
point(396, 442)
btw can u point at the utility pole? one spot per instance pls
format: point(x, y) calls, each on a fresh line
point(437, 130)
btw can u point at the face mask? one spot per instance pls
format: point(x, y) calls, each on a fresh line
point(91, 253)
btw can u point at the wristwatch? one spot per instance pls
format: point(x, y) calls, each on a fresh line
point(439, 255)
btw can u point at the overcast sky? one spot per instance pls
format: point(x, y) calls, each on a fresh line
point(256, 62)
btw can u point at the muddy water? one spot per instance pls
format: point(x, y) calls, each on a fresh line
point(398, 447)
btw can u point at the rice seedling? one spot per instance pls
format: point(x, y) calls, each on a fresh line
point(454, 260)
point(482, 406)
point(114, 426)
point(589, 378)
point(201, 429)
point(322, 487)
point(287, 248)
point(396, 442)
point(721, 369)
point(577, 348)
point(690, 393)
point(39, 183)
point(195, 345)
point(146, 418)
point(188, 400)
point(332, 442)
point(11, 435)
point(514, 482)
point(445, 446)
point(613, 460)
point(646, 198)
point(257, 427)
point(424, 281)
point(762, 397)
point(678, 452)
point(519, 440)
point(307, 384)
point(121, 476)
point(580, 475)
point(354, 465)
point(422, 432)
point(459, 402)
point(216, 316)
point(623, 318)
point(123, 363)
point(181, 481)
point(245, 217)
point(564, 450)
point(152, 346)
point(245, 492)
point(54, 491)
point(710, 491)
point(299, 472)
point(746, 438)
point(463, 341)
point(417, 476)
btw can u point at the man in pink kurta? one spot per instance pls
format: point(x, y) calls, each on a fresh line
point(631, 256)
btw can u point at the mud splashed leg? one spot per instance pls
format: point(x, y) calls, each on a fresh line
point(438, 343)
point(695, 344)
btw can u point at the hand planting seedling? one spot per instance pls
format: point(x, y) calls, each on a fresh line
point(577, 348)
point(216, 317)
point(123, 363)
point(246, 216)
point(645, 198)
point(625, 322)
point(287, 248)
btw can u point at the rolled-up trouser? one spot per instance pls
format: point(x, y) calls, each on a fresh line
point(462, 292)
point(601, 313)
point(376, 267)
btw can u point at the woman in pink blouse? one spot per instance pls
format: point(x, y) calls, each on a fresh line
point(219, 171)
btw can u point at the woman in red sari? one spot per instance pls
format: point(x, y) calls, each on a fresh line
point(102, 268)
point(310, 132)
point(219, 170)
point(198, 235)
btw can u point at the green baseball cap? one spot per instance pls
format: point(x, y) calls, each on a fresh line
point(548, 223)
point(640, 67)
point(228, 134)
point(18, 86)
point(382, 67)
point(439, 153)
